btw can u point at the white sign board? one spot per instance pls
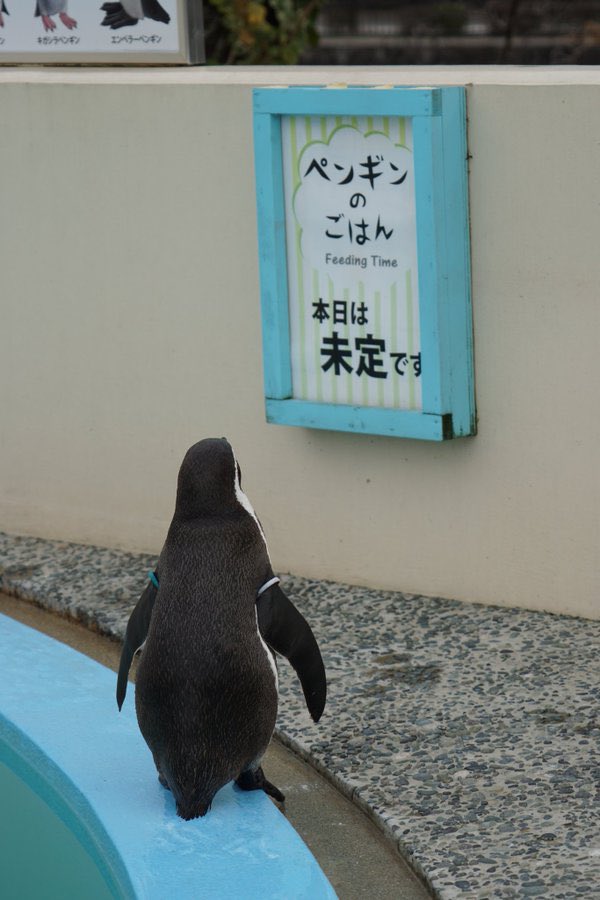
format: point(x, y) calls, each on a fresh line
point(93, 30)
point(351, 237)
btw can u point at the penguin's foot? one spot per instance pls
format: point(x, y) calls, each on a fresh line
point(254, 780)
point(67, 21)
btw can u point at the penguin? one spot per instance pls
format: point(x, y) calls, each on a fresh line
point(48, 8)
point(210, 621)
point(129, 12)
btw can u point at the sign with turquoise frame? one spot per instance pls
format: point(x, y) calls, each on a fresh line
point(364, 259)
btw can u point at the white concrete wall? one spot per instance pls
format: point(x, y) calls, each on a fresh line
point(130, 329)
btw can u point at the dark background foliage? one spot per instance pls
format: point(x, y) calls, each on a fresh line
point(387, 32)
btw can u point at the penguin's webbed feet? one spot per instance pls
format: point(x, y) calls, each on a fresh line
point(254, 780)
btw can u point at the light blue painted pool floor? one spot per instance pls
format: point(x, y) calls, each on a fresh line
point(471, 733)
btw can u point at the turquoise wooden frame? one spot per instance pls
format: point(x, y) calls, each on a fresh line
point(441, 185)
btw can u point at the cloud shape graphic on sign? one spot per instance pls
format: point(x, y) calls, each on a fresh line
point(356, 199)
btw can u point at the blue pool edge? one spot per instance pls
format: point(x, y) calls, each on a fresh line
point(61, 733)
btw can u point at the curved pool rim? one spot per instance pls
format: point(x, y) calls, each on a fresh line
point(61, 733)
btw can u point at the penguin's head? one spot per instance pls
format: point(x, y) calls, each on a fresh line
point(207, 479)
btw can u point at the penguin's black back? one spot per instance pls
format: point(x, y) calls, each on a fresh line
point(206, 694)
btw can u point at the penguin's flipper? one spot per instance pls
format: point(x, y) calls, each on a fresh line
point(288, 633)
point(254, 780)
point(135, 635)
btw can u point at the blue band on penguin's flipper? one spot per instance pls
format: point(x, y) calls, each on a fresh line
point(153, 578)
point(268, 584)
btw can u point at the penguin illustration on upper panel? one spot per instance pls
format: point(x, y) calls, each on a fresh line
point(4, 10)
point(48, 8)
point(211, 620)
point(129, 12)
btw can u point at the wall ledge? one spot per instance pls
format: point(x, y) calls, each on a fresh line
point(303, 75)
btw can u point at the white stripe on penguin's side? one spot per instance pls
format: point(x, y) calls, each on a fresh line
point(243, 501)
point(270, 656)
